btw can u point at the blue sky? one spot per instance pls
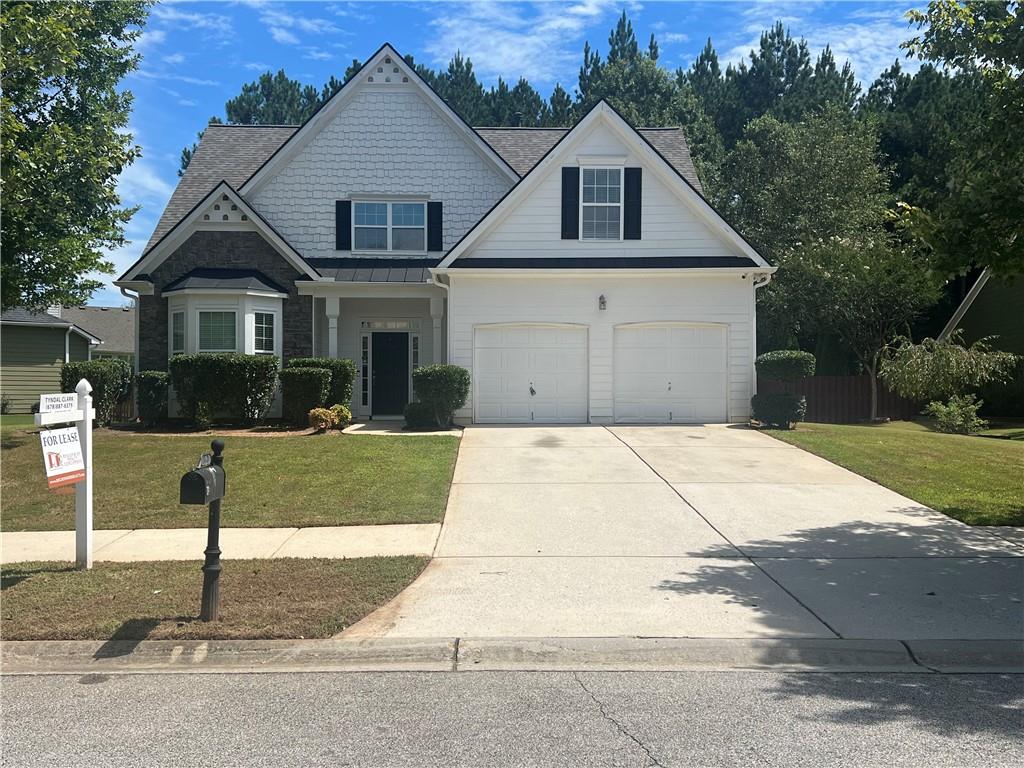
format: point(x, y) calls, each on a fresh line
point(196, 55)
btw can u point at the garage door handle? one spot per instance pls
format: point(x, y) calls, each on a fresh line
point(532, 390)
point(670, 386)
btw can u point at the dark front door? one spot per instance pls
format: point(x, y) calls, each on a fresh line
point(390, 371)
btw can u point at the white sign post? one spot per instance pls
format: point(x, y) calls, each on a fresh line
point(67, 456)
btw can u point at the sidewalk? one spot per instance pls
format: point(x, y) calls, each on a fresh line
point(237, 543)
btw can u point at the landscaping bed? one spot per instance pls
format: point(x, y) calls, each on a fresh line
point(287, 481)
point(976, 480)
point(259, 599)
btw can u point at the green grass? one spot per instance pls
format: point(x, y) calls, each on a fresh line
point(11, 422)
point(272, 481)
point(285, 598)
point(978, 481)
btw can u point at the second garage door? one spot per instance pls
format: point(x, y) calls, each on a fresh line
point(530, 373)
point(670, 372)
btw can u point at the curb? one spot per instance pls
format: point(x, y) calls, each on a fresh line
point(611, 654)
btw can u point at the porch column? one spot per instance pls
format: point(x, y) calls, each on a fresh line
point(333, 307)
point(437, 316)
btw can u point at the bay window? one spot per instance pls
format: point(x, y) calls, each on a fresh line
point(217, 331)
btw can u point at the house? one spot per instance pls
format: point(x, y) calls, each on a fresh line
point(982, 313)
point(33, 347)
point(114, 326)
point(579, 274)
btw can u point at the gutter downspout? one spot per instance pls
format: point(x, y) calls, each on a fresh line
point(759, 281)
point(972, 294)
point(436, 280)
point(67, 345)
point(135, 303)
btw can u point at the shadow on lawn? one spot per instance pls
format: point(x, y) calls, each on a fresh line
point(946, 556)
point(127, 637)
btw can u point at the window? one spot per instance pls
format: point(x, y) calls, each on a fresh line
point(601, 203)
point(264, 341)
point(415, 352)
point(389, 227)
point(364, 367)
point(217, 332)
point(177, 333)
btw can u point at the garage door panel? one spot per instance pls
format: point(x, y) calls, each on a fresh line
point(550, 359)
point(670, 373)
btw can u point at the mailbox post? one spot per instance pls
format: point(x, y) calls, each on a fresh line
point(205, 485)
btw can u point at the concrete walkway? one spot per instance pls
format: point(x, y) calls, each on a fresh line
point(236, 543)
point(715, 531)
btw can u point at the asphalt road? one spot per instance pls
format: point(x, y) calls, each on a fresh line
point(514, 719)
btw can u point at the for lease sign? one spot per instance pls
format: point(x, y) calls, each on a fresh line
point(62, 456)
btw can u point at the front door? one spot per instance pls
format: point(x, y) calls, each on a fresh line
point(390, 373)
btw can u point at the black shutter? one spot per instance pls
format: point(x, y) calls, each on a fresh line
point(343, 225)
point(632, 197)
point(435, 226)
point(570, 203)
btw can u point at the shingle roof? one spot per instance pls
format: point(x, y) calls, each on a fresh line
point(232, 153)
point(22, 315)
point(216, 278)
point(115, 325)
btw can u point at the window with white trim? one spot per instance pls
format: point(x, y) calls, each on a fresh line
point(177, 333)
point(218, 331)
point(389, 226)
point(263, 341)
point(601, 204)
point(364, 368)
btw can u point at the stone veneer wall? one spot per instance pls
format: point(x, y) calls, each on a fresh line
point(238, 250)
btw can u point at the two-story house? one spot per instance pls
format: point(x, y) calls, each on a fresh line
point(579, 274)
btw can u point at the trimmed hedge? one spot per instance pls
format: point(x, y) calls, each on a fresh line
point(304, 389)
point(237, 386)
point(442, 389)
point(343, 375)
point(111, 381)
point(778, 409)
point(151, 396)
point(785, 364)
point(420, 416)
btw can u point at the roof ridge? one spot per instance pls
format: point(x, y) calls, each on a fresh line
point(251, 125)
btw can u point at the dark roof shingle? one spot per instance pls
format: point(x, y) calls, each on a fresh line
point(217, 278)
point(115, 325)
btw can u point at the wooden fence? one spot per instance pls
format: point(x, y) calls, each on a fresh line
point(842, 399)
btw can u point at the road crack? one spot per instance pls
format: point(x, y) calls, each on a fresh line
point(652, 760)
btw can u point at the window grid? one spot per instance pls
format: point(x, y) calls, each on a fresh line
point(177, 333)
point(601, 204)
point(389, 227)
point(217, 332)
point(264, 337)
point(364, 360)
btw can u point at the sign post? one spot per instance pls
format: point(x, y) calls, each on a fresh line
point(67, 456)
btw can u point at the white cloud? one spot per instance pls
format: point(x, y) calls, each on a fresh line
point(256, 66)
point(317, 55)
point(283, 36)
point(149, 39)
point(673, 37)
point(146, 74)
point(540, 42)
point(174, 58)
point(285, 26)
point(215, 25)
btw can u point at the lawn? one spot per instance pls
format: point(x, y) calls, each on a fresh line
point(272, 481)
point(977, 480)
point(280, 599)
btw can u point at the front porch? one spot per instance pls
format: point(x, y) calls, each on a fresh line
point(388, 330)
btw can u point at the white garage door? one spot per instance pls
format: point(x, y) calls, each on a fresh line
point(530, 373)
point(670, 372)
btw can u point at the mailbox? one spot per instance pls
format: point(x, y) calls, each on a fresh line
point(202, 485)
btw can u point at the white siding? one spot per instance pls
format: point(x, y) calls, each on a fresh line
point(533, 229)
point(686, 298)
point(384, 142)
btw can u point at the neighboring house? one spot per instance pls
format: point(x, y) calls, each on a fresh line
point(114, 325)
point(33, 347)
point(992, 307)
point(579, 274)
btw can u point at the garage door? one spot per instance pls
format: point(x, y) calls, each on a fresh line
point(671, 372)
point(530, 373)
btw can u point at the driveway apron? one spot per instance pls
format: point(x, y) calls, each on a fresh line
point(703, 531)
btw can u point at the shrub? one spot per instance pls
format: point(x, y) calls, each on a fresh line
point(343, 375)
point(342, 414)
point(5, 405)
point(780, 409)
point(420, 416)
point(441, 388)
point(785, 364)
point(151, 396)
point(936, 370)
point(304, 389)
point(322, 419)
point(959, 415)
point(111, 381)
point(238, 386)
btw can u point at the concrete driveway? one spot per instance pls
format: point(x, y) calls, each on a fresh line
point(706, 531)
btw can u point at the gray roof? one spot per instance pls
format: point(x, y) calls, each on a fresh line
point(232, 153)
point(115, 325)
point(216, 278)
point(23, 316)
point(375, 270)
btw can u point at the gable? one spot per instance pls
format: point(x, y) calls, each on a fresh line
point(677, 222)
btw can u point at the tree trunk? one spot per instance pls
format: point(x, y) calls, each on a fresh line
point(873, 374)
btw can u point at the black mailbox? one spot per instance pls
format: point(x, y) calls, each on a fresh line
point(202, 485)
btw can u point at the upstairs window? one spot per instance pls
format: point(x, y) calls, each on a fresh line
point(386, 226)
point(601, 204)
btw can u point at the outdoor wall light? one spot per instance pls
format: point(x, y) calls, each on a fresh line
point(602, 302)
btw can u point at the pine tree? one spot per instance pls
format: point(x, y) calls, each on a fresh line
point(560, 108)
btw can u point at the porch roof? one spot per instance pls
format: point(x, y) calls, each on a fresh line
point(375, 270)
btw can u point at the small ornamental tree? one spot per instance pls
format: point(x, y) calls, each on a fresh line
point(441, 390)
point(782, 409)
point(785, 364)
